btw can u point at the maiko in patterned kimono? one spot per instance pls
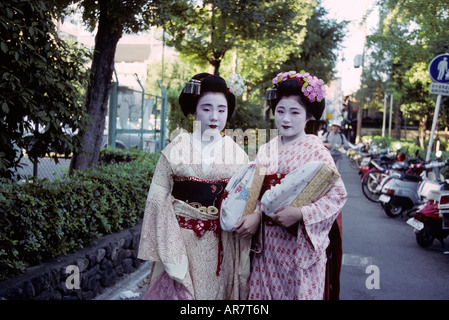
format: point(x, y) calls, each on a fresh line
point(180, 230)
point(291, 262)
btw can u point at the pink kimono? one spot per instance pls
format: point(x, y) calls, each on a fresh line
point(292, 264)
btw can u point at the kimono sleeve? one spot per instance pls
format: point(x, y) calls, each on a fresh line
point(319, 216)
point(160, 239)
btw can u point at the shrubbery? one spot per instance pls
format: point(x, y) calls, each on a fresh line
point(409, 147)
point(41, 219)
point(113, 155)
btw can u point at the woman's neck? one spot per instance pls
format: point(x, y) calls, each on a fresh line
point(205, 138)
point(287, 139)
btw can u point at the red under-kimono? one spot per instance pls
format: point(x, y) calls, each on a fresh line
point(294, 266)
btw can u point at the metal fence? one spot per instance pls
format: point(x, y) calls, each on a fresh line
point(44, 168)
point(136, 119)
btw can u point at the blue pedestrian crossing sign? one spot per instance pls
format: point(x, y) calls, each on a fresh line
point(439, 68)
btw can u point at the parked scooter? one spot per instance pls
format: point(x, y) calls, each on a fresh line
point(400, 194)
point(431, 221)
point(382, 168)
point(383, 158)
point(356, 153)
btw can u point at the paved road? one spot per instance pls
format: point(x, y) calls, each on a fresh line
point(386, 246)
point(131, 287)
point(370, 237)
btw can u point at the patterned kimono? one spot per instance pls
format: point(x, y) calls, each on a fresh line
point(292, 264)
point(198, 261)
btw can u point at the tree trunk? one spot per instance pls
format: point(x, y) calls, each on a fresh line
point(422, 130)
point(398, 124)
point(97, 94)
point(358, 136)
point(214, 67)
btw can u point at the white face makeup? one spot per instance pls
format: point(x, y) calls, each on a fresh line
point(212, 111)
point(290, 118)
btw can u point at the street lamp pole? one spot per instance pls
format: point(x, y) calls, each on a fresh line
point(360, 109)
point(384, 115)
point(391, 115)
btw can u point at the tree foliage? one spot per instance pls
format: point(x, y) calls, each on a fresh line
point(313, 49)
point(208, 29)
point(111, 19)
point(41, 77)
point(410, 34)
point(310, 44)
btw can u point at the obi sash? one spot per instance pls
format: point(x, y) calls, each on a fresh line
point(196, 191)
point(270, 181)
point(201, 194)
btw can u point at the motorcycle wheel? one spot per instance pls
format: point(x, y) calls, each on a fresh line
point(353, 163)
point(424, 239)
point(393, 210)
point(369, 185)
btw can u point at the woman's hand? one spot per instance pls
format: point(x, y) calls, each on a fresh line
point(247, 226)
point(287, 216)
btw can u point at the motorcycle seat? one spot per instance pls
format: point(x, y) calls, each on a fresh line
point(411, 177)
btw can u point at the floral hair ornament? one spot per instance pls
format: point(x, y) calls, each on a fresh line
point(236, 84)
point(312, 87)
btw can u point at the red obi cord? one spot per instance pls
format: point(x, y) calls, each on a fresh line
point(273, 179)
point(183, 178)
point(199, 226)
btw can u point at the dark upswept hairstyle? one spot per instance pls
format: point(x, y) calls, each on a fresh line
point(293, 87)
point(207, 83)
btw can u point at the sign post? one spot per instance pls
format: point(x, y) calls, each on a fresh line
point(390, 87)
point(439, 73)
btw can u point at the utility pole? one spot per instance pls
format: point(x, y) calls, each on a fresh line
point(360, 108)
point(384, 115)
point(391, 115)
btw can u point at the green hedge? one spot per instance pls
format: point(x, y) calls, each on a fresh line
point(407, 146)
point(41, 219)
point(112, 155)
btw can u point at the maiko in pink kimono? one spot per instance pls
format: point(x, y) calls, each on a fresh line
point(291, 261)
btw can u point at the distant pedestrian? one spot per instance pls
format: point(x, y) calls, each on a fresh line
point(336, 142)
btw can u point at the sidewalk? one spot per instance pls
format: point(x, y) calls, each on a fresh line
point(131, 287)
